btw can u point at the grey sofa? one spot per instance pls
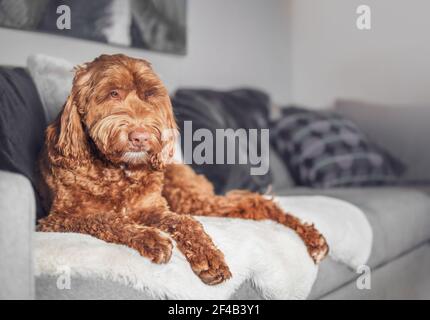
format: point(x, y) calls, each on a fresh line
point(400, 260)
point(399, 216)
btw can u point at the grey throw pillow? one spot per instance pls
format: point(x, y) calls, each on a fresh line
point(53, 78)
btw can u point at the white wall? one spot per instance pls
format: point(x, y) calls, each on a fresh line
point(301, 51)
point(331, 58)
point(231, 44)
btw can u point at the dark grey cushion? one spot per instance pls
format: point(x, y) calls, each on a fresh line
point(323, 149)
point(212, 110)
point(403, 131)
point(22, 124)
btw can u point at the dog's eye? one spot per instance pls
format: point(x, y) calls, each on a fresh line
point(150, 93)
point(114, 94)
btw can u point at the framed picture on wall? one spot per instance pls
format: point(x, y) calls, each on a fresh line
point(158, 25)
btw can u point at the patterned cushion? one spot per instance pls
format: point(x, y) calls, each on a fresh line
point(326, 150)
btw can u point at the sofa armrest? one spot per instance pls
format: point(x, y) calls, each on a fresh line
point(17, 223)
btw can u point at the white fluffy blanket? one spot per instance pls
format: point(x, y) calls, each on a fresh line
point(270, 255)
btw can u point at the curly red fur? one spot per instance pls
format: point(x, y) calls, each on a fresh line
point(94, 180)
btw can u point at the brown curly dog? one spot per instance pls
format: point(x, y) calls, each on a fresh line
point(105, 172)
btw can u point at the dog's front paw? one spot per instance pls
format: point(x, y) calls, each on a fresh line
point(151, 243)
point(210, 266)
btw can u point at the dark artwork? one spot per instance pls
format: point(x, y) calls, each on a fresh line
point(158, 25)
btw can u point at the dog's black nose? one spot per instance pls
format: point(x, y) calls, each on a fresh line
point(138, 137)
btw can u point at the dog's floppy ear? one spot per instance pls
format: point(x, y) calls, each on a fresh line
point(72, 142)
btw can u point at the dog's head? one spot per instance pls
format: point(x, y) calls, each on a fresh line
point(119, 108)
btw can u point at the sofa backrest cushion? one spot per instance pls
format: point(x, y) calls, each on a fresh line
point(22, 123)
point(403, 131)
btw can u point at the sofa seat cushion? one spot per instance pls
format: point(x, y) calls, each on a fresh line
point(403, 278)
point(400, 217)
point(84, 288)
